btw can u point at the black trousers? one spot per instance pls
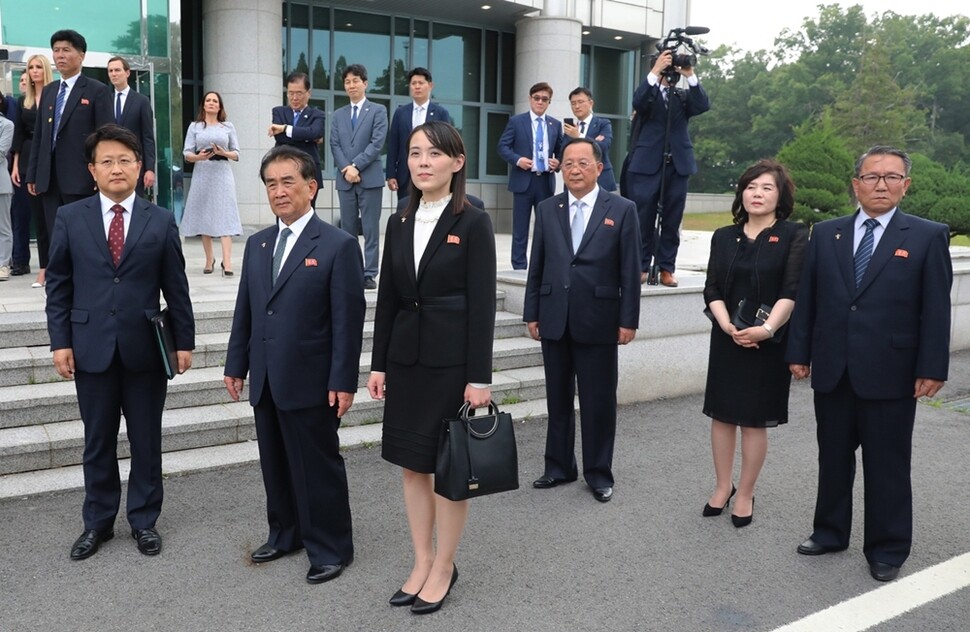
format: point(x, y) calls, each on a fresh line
point(594, 368)
point(102, 398)
point(307, 501)
point(884, 429)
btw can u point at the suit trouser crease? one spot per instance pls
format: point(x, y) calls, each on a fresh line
point(884, 429)
point(361, 208)
point(645, 192)
point(307, 502)
point(102, 398)
point(523, 204)
point(593, 368)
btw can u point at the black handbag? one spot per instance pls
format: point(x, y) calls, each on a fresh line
point(751, 314)
point(476, 455)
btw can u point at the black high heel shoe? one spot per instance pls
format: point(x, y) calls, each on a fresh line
point(401, 598)
point(716, 511)
point(743, 521)
point(208, 267)
point(421, 606)
point(225, 273)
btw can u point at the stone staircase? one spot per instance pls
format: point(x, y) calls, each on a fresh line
point(42, 437)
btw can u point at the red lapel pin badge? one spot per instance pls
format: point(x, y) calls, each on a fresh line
point(901, 253)
point(773, 239)
point(310, 263)
point(454, 239)
point(609, 222)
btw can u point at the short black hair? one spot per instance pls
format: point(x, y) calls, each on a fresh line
point(423, 72)
point(581, 90)
point(354, 69)
point(110, 131)
point(305, 164)
point(298, 76)
point(597, 152)
point(786, 189)
point(72, 37)
point(884, 150)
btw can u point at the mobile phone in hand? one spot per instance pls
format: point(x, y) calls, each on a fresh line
point(569, 121)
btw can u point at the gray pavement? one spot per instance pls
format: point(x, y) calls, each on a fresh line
point(530, 559)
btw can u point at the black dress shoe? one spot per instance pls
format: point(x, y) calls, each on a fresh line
point(743, 521)
point(87, 545)
point(421, 606)
point(603, 494)
point(811, 547)
point(149, 542)
point(716, 511)
point(370, 283)
point(883, 572)
point(19, 270)
point(545, 482)
point(266, 553)
point(326, 572)
point(401, 598)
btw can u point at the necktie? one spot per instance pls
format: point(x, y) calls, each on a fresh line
point(58, 110)
point(540, 157)
point(116, 234)
point(280, 249)
point(118, 108)
point(296, 117)
point(582, 128)
point(665, 91)
point(579, 224)
point(864, 252)
point(353, 119)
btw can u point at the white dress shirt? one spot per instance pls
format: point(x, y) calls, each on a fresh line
point(107, 214)
point(297, 229)
point(860, 228)
point(419, 113)
point(590, 200)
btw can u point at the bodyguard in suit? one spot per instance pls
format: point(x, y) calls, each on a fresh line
point(297, 332)
point(111, 254)
point(872, 327)
point(650, 161)
point(70, 109)
point(406, 118)
point(356, 138)
point(582, 298)
point(133, 111)
point(532, 144)
point(587, 125)
point(300, 124)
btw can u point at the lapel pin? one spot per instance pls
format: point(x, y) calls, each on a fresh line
point(773, 239)
point(901, 253)
point(609, 222)
point(838, 235)
point(310, 263)
point(263, 244)
point(454, 239)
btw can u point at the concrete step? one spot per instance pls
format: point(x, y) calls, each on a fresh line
point(29, 328)
point(184, 461)
point(57, 443)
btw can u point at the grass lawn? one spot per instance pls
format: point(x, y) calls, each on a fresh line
point(713, 221)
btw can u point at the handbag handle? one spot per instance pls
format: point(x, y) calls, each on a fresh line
point(492, 410)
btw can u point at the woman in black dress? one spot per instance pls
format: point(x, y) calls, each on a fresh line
point(39, 74)
point(759, 259)
point(432, 344)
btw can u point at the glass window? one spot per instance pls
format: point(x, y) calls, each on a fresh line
point(495, 125)
point(298, 51)
point(115, 25)
point(584, 65)
point(402, 58)
point(621, 142)
point(612, 80)
point(419, 43)
point(320, 77)
point(158, 36)
point(361, 38)
point(466, 121)
point(508, 68)
point(491, 68)
point(456, 56)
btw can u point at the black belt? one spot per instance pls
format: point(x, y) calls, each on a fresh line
point(432, 303)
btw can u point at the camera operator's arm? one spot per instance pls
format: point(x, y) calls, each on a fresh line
point(649, 89)
point(697, 101)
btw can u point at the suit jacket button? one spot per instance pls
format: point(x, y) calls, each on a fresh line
point(853, 308)
point(269, 312)
point(117, 280)
point(112, 312)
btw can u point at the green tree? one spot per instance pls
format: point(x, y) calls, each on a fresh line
point(820, 166)
point(939, 194)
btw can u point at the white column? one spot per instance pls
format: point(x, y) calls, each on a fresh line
point(547, 49)
point(242, 44)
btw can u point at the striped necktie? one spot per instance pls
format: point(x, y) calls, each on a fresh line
point(58, 110)
point(864, 252)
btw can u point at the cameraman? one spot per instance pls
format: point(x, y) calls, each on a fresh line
point(656, 155)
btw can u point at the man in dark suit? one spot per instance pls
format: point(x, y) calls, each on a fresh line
point(69, 110)
point(133, 111)
point(587, 125)
point(300, 124)
point(582, 298)
point(356, 138)
point(110, 256)
point(872, 327)
point(661, 159)
point(406, 118)
point(532, 144)
point(297, 331)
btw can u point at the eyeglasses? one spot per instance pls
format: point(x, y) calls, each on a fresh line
point(124, 163)
point(891, 179)
point(295, 93)
point(582, 164)
point(540, 98)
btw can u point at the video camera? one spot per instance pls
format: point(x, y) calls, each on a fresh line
point(679, 38)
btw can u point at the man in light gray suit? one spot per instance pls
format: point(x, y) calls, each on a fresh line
point(357, 136)
point(6, 196)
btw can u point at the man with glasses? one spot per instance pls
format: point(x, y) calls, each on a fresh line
point(588, 125)
point(582, 299)
point(871, 326)
point(299, 124)
point(532, 144)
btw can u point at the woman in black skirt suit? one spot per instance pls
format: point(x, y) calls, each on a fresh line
point(758, 258)
point(432, 344)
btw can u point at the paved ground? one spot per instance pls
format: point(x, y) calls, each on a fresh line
point(530, 560)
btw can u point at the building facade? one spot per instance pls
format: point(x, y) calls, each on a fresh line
point(483, 56)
